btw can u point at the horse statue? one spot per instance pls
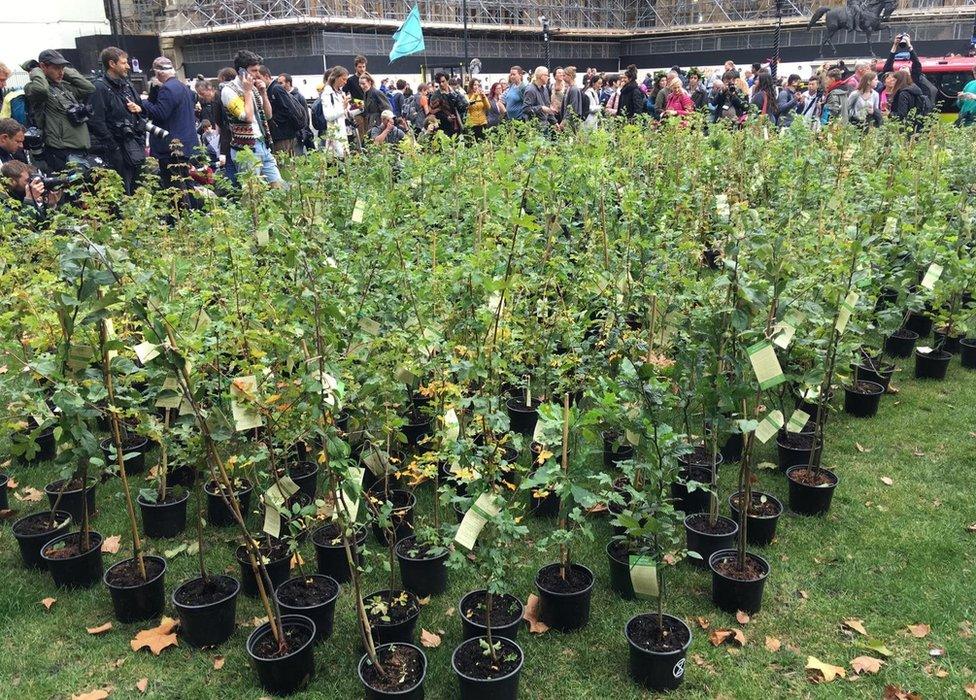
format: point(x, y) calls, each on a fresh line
point(859, 16)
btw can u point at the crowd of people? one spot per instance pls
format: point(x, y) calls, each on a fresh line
point(62, 122)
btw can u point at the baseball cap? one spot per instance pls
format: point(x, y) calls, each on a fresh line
point(53, 57)
point(162, 63)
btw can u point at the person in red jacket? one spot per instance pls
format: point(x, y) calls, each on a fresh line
point(679, 102)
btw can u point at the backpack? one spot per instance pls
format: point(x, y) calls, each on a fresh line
point(318, 116)
point(15, 106)
point(922, 103)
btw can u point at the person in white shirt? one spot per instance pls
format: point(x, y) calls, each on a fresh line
point(592, 94)
point(335, 109)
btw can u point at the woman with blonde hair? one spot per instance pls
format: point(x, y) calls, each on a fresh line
point(335, 108)
point(864, 104)
point(678, 102)
point(478, 107)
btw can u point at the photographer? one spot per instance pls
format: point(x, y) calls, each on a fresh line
point(118, 133)
point(56, 95)
point(23, 184)
point(171, 108)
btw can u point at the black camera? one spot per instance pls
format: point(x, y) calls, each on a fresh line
point(78, 114)
point(34, 141)
point(902, 42)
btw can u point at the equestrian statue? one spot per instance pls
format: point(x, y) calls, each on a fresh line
point(859, 16)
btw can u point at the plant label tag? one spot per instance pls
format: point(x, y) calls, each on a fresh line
point(281, 491)
point(769, 425)
point(766, 365)
point(405, 376)
point(146, 351)
point(783, 333)
point(632, 437)
point(797, 421)
point(846, 309)
point(932, 276)
point(358, 211)
point(370, 326)
point(80, 356)
point(262, 235)
point(924, 349)
point(201, 320)
point(495, 302)
point(452, 428)
point(186, 408)
point(272, 520)
point(377, 461)
point(643, 576)
point(110, 335)
point(348, 492)
point(474, 521)
point(243, 390)
point(170, 396)
point(537, 433)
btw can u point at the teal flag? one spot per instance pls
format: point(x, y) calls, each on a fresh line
point(409, 38)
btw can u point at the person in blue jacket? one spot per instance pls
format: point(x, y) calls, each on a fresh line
point(170, 108)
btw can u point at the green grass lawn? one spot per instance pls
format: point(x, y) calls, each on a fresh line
point(890, 555)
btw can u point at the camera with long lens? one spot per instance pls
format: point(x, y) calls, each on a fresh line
point(34, 141)
point(157, 131)
point(78, 114)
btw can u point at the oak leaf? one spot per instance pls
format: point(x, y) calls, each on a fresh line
point(866, 664)
point(820, 672)
point(531, 615)
point(157, 638)
point(429, 639)
point(48, 602)
point(99, 629)
point(718, 637)
point(31, 495)
point(110, 545)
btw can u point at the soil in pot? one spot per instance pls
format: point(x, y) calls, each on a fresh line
point(207, 609)
point(877, 372)
point(763, 515)
point(284, 669)
point(657, 651)
point(330, 554)
point(71, 567)
point(793, 449)
point(392, 616)
point(811, 490)
point(862, 398)
point(267, 646)
point(484, 678)
point(305, 475)
point(36, 530)
point(735, 589)
point(506, 615)
point(278, 562)
point(706, 539)
point(67, 494)
point(166, 517)
point(136, 598)
point(901, 343)
point(314, 597)
point(423, 569)
point(405, 667)
point(564, 603)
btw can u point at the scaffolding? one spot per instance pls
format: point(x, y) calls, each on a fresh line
point(608, 18)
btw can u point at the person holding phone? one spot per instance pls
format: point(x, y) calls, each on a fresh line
point(248, 110)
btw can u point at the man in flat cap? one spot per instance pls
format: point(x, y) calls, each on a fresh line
point(170, 107)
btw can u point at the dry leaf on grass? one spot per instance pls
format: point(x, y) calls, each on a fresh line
point(866, 664)
point(12, 483)
point(157, 638)
point(31, 495)
point(142, 685)
point(855, 624)
point(703, 622)
point(804, 595)
point(773, 644)
point(7, 513)
point(718, 637)
point(970, 690)
point(100, 629)
point(531, 615)
point(218, 663)
point(820, 672)
point(701, 661)
point(919, 630)
point(971, 527)
point(597, 508)
point(110, 545)
point(861, 448)
point(742, 617)
point(887, 481)
point(424, 601)
point(893, 692)
point(258, 621)
point(449, 612)
point(99, 694)
point(937, 671)
point(429, 639)
point(48, 602)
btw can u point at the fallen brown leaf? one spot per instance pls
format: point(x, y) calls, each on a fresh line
point(31, 495)
point(424, 601)
point(296, 560)
point(157, 638)
point(218, 663)
point(861, 448)
point(531, 615)
point(110, 545)
point(7, 513)
point(258, 621)
point(742, 617)
point(100, 629)
point(773, 645)
point(937, 671)
point(142, 685)
point(99, 694)
point(701, 661)
point(971, 527)
point(918, 453)
point(970, 690)
point(919, 630)
point(866, 664)
point(887, 481)
point(449, 612)
point(820, 672)
point(597, 508)
point(703, 622)
point(718, 637)
point(48, 602)
point(855, 624)
point(429, 639)
point(804, 595)
point(739, 637)
point(893, 692)
point(12, 483)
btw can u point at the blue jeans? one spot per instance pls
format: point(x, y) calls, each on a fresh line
point(267, 164)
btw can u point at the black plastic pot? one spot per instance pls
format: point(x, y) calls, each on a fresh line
point(306, 477)
point(401, 632)
point(901, 343)
point(760, 529)
point(422, 577)
point(881, 374)
point(47, 447)
point(278, 570)
point(812, 406)
point(136, 464)
point(210, 624)
point(31, 543)
point(219, 513)
point(144, 601)
point(620, 581)
point(706, 544)
point(331, 557)
point(967, 352)
point(732, 449)
point(162, 520)
point(71, 501)
point(565, 612)
point(321, 613)
point(291, 672)
point(949, 343)
point(414, 692)
point(932, 365)
point(471, 629)
point(401, 517)
point(692, 501)
point(919, 323)
point(615, 453)
point(501, 688)
point(522, 419)
point(732, 595)
point(415, 432)
point(80, 571)
point(657, 670)
point(863, 405)
point(795, 456)
point(810, 500)
point(4, 503)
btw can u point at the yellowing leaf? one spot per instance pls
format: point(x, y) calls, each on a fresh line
point(110, 545)
point(531, 615)
point(157, 638)
point(919, 630)
point(100, 629)
point(773, 644)
point(142, 685)
point(48, 602)
point(857, 625)
point(429, 639)
point(866, 664)
point(820, 672)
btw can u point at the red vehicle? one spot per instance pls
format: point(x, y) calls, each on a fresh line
point(949, 74)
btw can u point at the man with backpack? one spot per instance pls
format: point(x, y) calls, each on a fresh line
point(118, 133)
point(836, 96)
point(56, 100)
